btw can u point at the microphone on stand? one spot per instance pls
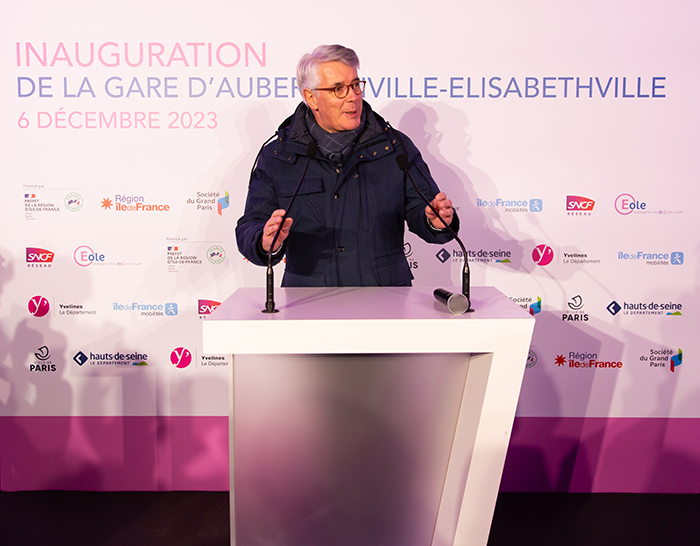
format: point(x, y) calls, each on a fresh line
point(458, 305)
point(311, 150)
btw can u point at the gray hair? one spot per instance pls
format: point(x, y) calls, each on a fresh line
point(307, 69)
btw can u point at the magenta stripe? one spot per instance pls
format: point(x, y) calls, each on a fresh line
point(581, 455)
point(114, 453)
point(634, 455)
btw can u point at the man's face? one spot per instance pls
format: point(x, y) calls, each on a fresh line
point(331, 113)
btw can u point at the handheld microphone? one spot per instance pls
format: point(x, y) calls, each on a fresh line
point(311, 150)
point(456, 303)
point(404, 165)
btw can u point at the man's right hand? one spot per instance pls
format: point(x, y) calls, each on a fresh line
point(271, 227)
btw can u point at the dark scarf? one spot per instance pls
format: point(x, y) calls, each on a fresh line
point(334, 146)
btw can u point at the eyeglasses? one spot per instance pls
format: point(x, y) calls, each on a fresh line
point(342, 89)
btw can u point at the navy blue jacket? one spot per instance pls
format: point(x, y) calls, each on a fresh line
point(348, 222)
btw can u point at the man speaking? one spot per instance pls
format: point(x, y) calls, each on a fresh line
point(346, 225)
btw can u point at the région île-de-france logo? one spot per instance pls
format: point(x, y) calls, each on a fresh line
point(181, 357)
point(39, 257)
point(586, 361)
point(579, 206)
point(39, 306)
point(626, 204)
point(543, 255)
point(132, 203)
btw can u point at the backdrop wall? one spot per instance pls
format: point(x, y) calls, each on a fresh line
point(564, 134)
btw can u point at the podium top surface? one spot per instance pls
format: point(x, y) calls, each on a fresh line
point(364, 320)
point(369, 303)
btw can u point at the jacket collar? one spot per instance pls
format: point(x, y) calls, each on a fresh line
point(294, 129)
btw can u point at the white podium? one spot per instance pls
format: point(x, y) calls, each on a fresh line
point(494, 340)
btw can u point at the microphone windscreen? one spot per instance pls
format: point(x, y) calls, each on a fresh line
point(402, 162)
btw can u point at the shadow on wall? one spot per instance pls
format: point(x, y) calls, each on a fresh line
point(441, 131)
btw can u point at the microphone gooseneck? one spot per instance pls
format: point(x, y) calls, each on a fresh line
point(404, 165)
point(311, 150)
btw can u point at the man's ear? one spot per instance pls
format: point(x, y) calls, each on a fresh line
point(311, 99)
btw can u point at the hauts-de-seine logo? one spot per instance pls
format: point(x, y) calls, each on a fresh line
point(132, 203)
point(443, 255)
point(482, 255)
point(39, 306)
point(575, 311)
point(543, 255)
point(512, 205)
point(39, 257)
point(116, 358)
point(577, 205)
point(583, 360)
point(650, 308)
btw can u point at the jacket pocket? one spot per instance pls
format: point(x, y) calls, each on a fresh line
point(308, 186)
point(394, 274)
